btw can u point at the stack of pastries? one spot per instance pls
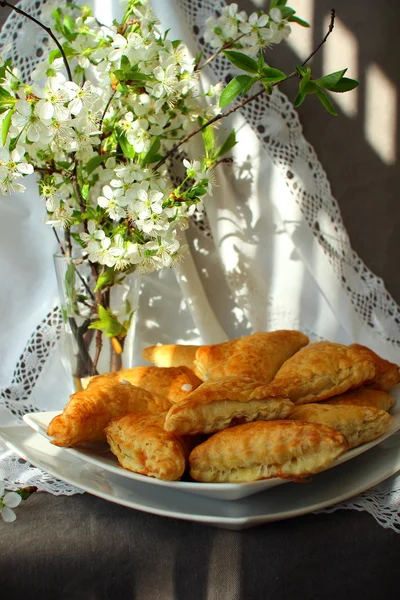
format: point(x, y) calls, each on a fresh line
point(266, 405)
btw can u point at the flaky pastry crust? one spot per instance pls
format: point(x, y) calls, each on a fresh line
point(358, 424)
point(387, 374)
point(266, 449)
point(172, 355)
point(174, 383)
point(221, 403)
point(322, 370)
point(89, 411)
point(143, 446)
point(258, 356)
point(364, 397)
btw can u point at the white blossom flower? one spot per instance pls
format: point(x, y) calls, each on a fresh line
point(113, 203)
point(148, 203)
point(53, 98)
point(81, 97)
point(61, 217)
point(167, 81)
point(193, 169)
point(8, 501)
point(25, 117)
point(137, 134)
point(104, 253)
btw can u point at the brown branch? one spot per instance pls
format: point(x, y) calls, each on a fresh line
point(241, 104)
point(99, 344)
point(224, 47)
point(106, 108)
point(330, 29)
point(49, 32)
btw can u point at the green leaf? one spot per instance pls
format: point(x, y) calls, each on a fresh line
point(151, 156)
point(235, 87)
point(260, 61)
point(108, 323)
point(303, 83)
point(326, 102)
point(227, 145)
point(70, 279)
point(4, 94)
point(208, 140)
point(287, 12)
point(302, 70)
point(328, 81)
point(69, 25)
point(271, 75)
point(5, 126)
point(242, 61)
point(344, 85)
point(85, 191)
point(299, 99)
point(106, 278)
point(277, 3)
point(310, 88)
point(126, 147)
point(301, 22)
point(95, 162)
point(176, 43)
point(53, 55)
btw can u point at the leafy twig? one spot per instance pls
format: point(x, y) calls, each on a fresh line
point(241, 104)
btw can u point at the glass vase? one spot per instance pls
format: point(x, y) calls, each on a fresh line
point(98, 317)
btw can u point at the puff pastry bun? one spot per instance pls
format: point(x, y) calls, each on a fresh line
point(322, 370)
point(220, 403)
point(172, 355)
point(266, 449)
point(364, 397)
point(89, 411)
point(358, 424)
point(258, 356)
point(143, 446)
point(387, 374)
point(174, 383)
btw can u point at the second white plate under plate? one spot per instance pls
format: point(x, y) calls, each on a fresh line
point(283, 502)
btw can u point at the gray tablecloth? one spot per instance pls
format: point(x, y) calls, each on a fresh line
point(84, 548)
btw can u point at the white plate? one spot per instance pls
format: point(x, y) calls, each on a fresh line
point(99, 455)
point(291, 500)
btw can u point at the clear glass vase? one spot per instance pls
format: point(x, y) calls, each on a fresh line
point(99, 320)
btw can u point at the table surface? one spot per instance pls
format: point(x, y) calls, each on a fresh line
point(82, 547)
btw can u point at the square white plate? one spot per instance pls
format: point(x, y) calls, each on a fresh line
point(100, 456)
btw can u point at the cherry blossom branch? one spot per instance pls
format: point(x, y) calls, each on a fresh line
point(243, 103)
point(224, 47)
point(49, 32)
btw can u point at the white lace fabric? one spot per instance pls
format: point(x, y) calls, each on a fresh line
point(248, 240)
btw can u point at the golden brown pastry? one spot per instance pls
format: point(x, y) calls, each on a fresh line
point(175, 383)
point(89, 411)
point(143, 446)
point(387, 374)
point(358, 424)
point(221, 403)
point(322, 370)
point(266, 449)
point(258, 356)
point(171, 355)
point(364, 397)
